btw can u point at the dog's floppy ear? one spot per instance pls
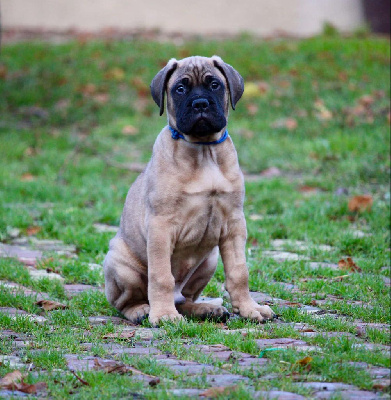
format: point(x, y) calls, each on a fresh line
point(159, 83)
point(234, 80)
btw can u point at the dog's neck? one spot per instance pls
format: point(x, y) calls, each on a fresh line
point(208, 141)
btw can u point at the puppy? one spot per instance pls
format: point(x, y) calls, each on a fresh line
point(187, 206)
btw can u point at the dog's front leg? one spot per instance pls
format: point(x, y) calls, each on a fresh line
point(161, 282)
point(232, 250)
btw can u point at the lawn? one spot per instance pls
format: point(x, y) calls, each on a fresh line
point(312, 133)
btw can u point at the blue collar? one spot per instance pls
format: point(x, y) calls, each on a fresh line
point(176, 135)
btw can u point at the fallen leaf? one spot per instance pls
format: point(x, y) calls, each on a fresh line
point(251, 90)
point(305, 361)
point(120, 335)
point(307, 330)
point(217, 391)
point(141, 87)
point(88, 89)
point(366, 100)
point(288, 123)
point(360, 203)
point(308, 189)
point(116, 74)
point(14, 381)
point(252, 108)
point(27, 177)
point(129, 130)
point(3, 71)
point(49, 305)
point(348, 265)
point(111, 366)
point(11, 377)
point(339, 278)
point(32, 230)
point(381, 386)
point(322, 112)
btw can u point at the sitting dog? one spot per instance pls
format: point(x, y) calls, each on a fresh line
point(186, 206)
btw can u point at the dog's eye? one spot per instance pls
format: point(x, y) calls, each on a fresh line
point(215, 85)
point(180, 89)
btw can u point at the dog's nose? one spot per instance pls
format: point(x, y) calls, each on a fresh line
point(200, 105)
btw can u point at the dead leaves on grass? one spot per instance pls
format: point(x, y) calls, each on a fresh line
point(111, 366)
point(120, 335)
point(14, 381)
point(49, 305)
point(360, 203)
point(218, 391)
point(348, 265)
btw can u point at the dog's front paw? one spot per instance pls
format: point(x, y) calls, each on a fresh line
point(256, 312)
point(156, 318)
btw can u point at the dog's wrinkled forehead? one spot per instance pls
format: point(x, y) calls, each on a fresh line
point(196, 69)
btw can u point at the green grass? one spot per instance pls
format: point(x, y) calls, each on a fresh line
point(63, 110)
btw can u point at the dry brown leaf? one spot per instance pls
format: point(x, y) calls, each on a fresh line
point(252, 108)
point(339, 278)
point(366, 100)
point(305, 361)
point(129, 130)
point(116, 74)
point(120, 335)
point(10, 378)
point(288, 123)
point(141, 87)
point(88, 89)
point(32, 230)
point(49, 305)
point(217, 391)
point(322, 112)
point(348, 265)
point(3, 71)
point(111, 366)
point(27, 177)
point(308, 189)
point(360, 203)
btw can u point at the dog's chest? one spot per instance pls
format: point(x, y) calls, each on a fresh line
point(208, 201)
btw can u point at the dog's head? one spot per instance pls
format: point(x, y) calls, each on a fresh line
point(199, 90)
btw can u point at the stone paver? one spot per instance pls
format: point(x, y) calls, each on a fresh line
point(277, 395)
point(103, 228)
point(283, 343)
point(15, 313)
point(281, 256)
point(225, 380)
point(103, 320)
point(187, 367)
point(264, 298)
point(217, 301)
point(75, 289)
point(282, 244)
point(14, 362)
point(348, 395)
point(15, 288)
point(25, 256)
point(316, 265)
point(43, 273)
point(43, 245)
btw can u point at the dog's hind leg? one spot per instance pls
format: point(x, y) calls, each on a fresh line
point(126, 287)
point(193, 288)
